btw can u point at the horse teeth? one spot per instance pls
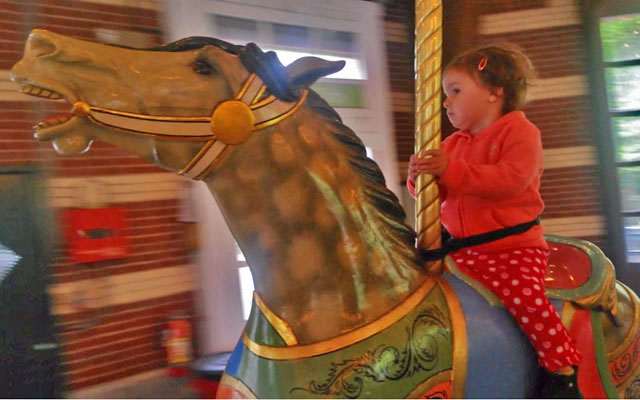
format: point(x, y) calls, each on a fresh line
point(50, 122)
point(40, 92)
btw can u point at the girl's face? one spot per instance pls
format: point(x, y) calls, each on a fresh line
point(470, 105)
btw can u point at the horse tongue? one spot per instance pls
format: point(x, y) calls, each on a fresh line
point(53, 120)
point(57, 117)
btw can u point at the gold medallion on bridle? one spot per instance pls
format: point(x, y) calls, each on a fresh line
point(81, 109)
point(232, 122)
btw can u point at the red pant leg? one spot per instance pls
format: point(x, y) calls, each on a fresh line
point(516, 276)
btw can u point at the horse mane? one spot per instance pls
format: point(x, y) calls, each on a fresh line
point(197, 42)
point(385, 201)
point(266, 65)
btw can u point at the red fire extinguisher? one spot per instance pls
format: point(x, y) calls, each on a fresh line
point(177, 341)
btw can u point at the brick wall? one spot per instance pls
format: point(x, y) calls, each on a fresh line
point(552, 34)
point(116, 331)
point(399, 27)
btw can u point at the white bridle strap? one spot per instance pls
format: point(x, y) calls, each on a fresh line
point(199, 165)
point(266, 112)
point(168, 128)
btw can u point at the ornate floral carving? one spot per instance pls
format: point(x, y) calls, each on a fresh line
point(633, 390)
point(626, 364)
point(428, 335)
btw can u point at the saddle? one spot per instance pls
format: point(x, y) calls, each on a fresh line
point(578, 272)
point(580, 275)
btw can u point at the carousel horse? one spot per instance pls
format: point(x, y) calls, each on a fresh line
point(343, 306)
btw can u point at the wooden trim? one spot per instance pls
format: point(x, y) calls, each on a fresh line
point(615, 8)
point(559, 87)
point(623, 164)
point(113, 290)
point(145, 4)
point(566, 157)
point(559, 15)
point(625, 63)
point(580, 226)
point(122, 188)
point(625, 113)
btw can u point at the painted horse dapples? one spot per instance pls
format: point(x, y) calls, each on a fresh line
point(343, 306)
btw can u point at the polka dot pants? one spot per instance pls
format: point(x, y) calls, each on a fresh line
point(516, 277)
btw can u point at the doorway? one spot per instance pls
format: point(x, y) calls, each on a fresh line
point(29, 354)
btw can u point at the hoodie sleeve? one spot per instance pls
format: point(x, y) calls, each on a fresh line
point(519, 163)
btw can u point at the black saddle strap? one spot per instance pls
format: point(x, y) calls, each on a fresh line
point(451, 244)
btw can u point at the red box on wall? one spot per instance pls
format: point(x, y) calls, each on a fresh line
point(96, 234)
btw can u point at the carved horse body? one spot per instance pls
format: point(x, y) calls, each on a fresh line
point(342, 307)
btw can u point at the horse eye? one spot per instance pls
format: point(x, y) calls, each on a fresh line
point(202, 67)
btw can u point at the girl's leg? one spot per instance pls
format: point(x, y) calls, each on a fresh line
point(516, 277)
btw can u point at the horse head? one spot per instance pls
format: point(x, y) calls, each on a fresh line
point(112, 89)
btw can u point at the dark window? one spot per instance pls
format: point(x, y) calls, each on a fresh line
point(620, 39)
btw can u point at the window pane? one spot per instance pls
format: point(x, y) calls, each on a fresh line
point(629, 188)
point(623, 87)
point(291, 35)
point(341, 95)
point(338, 40)
point(620, 37)
point(246, 290)
point(632, 237)
point(238, 30)
point(626, 134)
point(239, 254)
point(8, 260)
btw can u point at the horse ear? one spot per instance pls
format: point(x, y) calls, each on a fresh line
point(304, 71)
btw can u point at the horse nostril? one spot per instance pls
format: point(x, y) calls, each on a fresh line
point(39, 44)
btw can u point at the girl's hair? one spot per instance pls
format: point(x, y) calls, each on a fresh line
point(498, 65)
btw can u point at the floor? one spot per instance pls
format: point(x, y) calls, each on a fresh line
point(152, 385)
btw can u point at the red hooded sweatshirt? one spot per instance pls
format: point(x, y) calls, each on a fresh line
point(492, 181)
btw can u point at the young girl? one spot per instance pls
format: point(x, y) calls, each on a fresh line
point(489, 178)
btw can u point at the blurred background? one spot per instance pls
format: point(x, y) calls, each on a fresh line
point(154, 269)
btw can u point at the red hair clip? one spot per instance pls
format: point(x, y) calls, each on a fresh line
point(482, 64)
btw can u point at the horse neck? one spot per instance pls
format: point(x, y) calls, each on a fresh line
point(322, 256)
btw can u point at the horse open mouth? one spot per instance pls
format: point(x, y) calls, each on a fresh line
point(61, 129)
point(43, 127)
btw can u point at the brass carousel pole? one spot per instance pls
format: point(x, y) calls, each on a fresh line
point(428, 49)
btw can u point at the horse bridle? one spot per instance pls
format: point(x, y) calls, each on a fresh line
point(231, 123)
